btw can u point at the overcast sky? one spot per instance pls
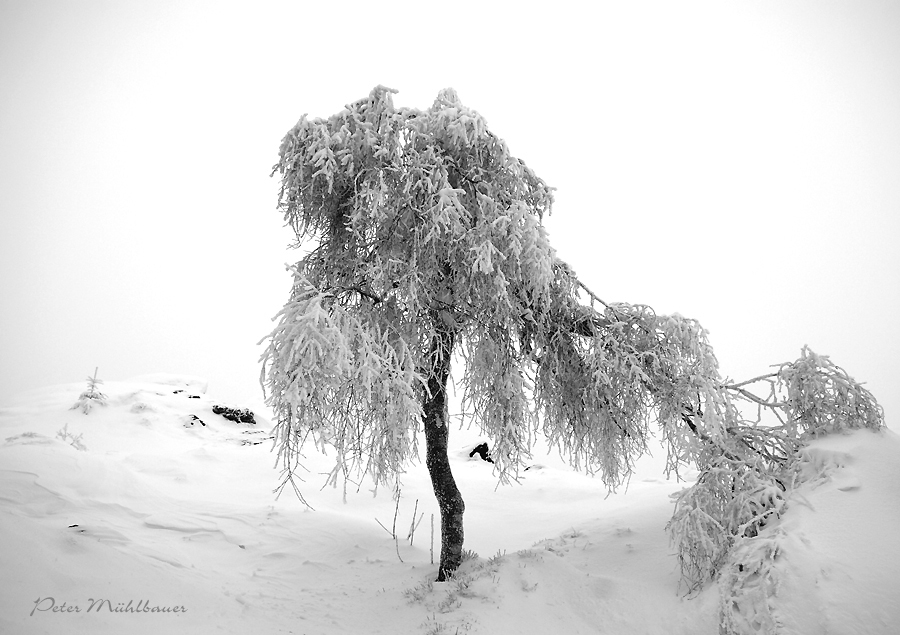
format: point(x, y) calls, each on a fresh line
point(738, 163)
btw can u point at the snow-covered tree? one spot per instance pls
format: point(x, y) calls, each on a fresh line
point(427, 245)
point(91, 395)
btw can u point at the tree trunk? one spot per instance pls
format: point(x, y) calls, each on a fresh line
point(435, 416)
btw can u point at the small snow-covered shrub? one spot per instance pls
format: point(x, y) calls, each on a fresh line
point(91, 396)
point(419, 592)
point(468, 554)
point(71, 439)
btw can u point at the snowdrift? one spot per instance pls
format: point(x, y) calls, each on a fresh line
point(151, 513)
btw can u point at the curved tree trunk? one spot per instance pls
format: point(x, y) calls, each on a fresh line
point(435, 418)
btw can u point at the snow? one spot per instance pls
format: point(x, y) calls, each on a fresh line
point(840, 539)
point(165, 512)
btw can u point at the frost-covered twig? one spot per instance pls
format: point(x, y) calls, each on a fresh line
point(393, 530)
point(71, 439)
point(414, 524)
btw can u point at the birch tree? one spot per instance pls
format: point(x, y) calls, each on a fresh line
point(427, 246)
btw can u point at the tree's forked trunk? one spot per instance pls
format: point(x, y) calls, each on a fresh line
point(435, 418)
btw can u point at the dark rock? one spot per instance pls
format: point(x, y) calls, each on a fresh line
point(238, 415)
point(195, 419)
point(483, 451)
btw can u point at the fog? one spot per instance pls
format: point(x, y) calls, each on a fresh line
point(735, 164)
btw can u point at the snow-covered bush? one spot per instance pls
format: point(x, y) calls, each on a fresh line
point(91, 396)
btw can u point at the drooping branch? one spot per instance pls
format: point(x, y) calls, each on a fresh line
point(745, 481)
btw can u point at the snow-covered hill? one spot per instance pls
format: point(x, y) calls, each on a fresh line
point(153, 514)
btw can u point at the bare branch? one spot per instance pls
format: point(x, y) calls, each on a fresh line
point(751, 381)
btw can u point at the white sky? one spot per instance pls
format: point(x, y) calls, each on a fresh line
point(736, 164)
